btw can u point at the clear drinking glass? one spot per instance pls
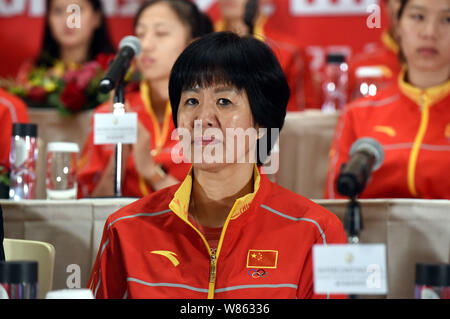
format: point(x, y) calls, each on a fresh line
point(61, 177)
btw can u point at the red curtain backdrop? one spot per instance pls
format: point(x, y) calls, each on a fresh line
point(319, 26)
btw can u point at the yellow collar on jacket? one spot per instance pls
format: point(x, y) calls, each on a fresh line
point(429, 96)
point(161, 133)
point(389, 42)
point(258, 28)
point(180, 202)
point(220, 25)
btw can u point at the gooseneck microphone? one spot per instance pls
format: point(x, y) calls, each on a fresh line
point(366, 156)
point(129, 47)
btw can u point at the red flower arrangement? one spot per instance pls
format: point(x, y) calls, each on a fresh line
point(70, 89)
point(73, 97)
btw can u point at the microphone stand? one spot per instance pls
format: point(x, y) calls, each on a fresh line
point(353, 225)
point(119, 109)
point(353, 221)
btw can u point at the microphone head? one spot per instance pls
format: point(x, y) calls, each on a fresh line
point(105, 85)
point(131, 42)
point(371, 146)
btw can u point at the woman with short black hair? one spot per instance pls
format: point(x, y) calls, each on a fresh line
point(226, 231)
point(209, 62)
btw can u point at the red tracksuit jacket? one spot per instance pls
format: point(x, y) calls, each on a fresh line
point(413, 126)
point(150, 249)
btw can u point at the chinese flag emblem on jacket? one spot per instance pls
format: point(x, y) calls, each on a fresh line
point(262, 258)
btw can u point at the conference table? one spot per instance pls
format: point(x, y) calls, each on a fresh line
point(413, 231)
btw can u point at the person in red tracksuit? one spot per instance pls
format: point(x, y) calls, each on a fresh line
point(384, 56)
point(410, 119)
point(12, 110)
point(241, 17)
point(226, 231)
point(164, 29)
point(66, 48)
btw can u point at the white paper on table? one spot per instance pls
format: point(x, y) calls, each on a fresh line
point(113, 129)
point(350, 269)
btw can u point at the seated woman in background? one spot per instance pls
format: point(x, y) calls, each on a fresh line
point(384, 57)
point(226, 223)
point(165, 28)
point(72, 60)
point(410, 119)
point(250, 17)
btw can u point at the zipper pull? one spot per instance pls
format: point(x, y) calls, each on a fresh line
point(212, 271)
point(423, 101)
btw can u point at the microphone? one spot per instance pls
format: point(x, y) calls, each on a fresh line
point(129, 47)
point(366, 155)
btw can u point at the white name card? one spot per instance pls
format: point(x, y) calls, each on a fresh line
point(350, 269)
point(113, 129)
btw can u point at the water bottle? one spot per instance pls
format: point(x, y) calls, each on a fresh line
point(369, 81)
point(432, 281)
point(22, 159)
point(335, 83)
point(18, 279)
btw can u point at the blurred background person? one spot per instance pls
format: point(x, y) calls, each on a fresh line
point(165, 28)
point(250, 17)
point(72, 59)
point(383, 59)
point(12, 110)
point(72, 44)
point(411, 118)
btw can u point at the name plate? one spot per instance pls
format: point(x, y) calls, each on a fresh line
point(350, 269)
point(113, 129)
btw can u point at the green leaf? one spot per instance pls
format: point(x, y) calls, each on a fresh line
point(4, 179)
